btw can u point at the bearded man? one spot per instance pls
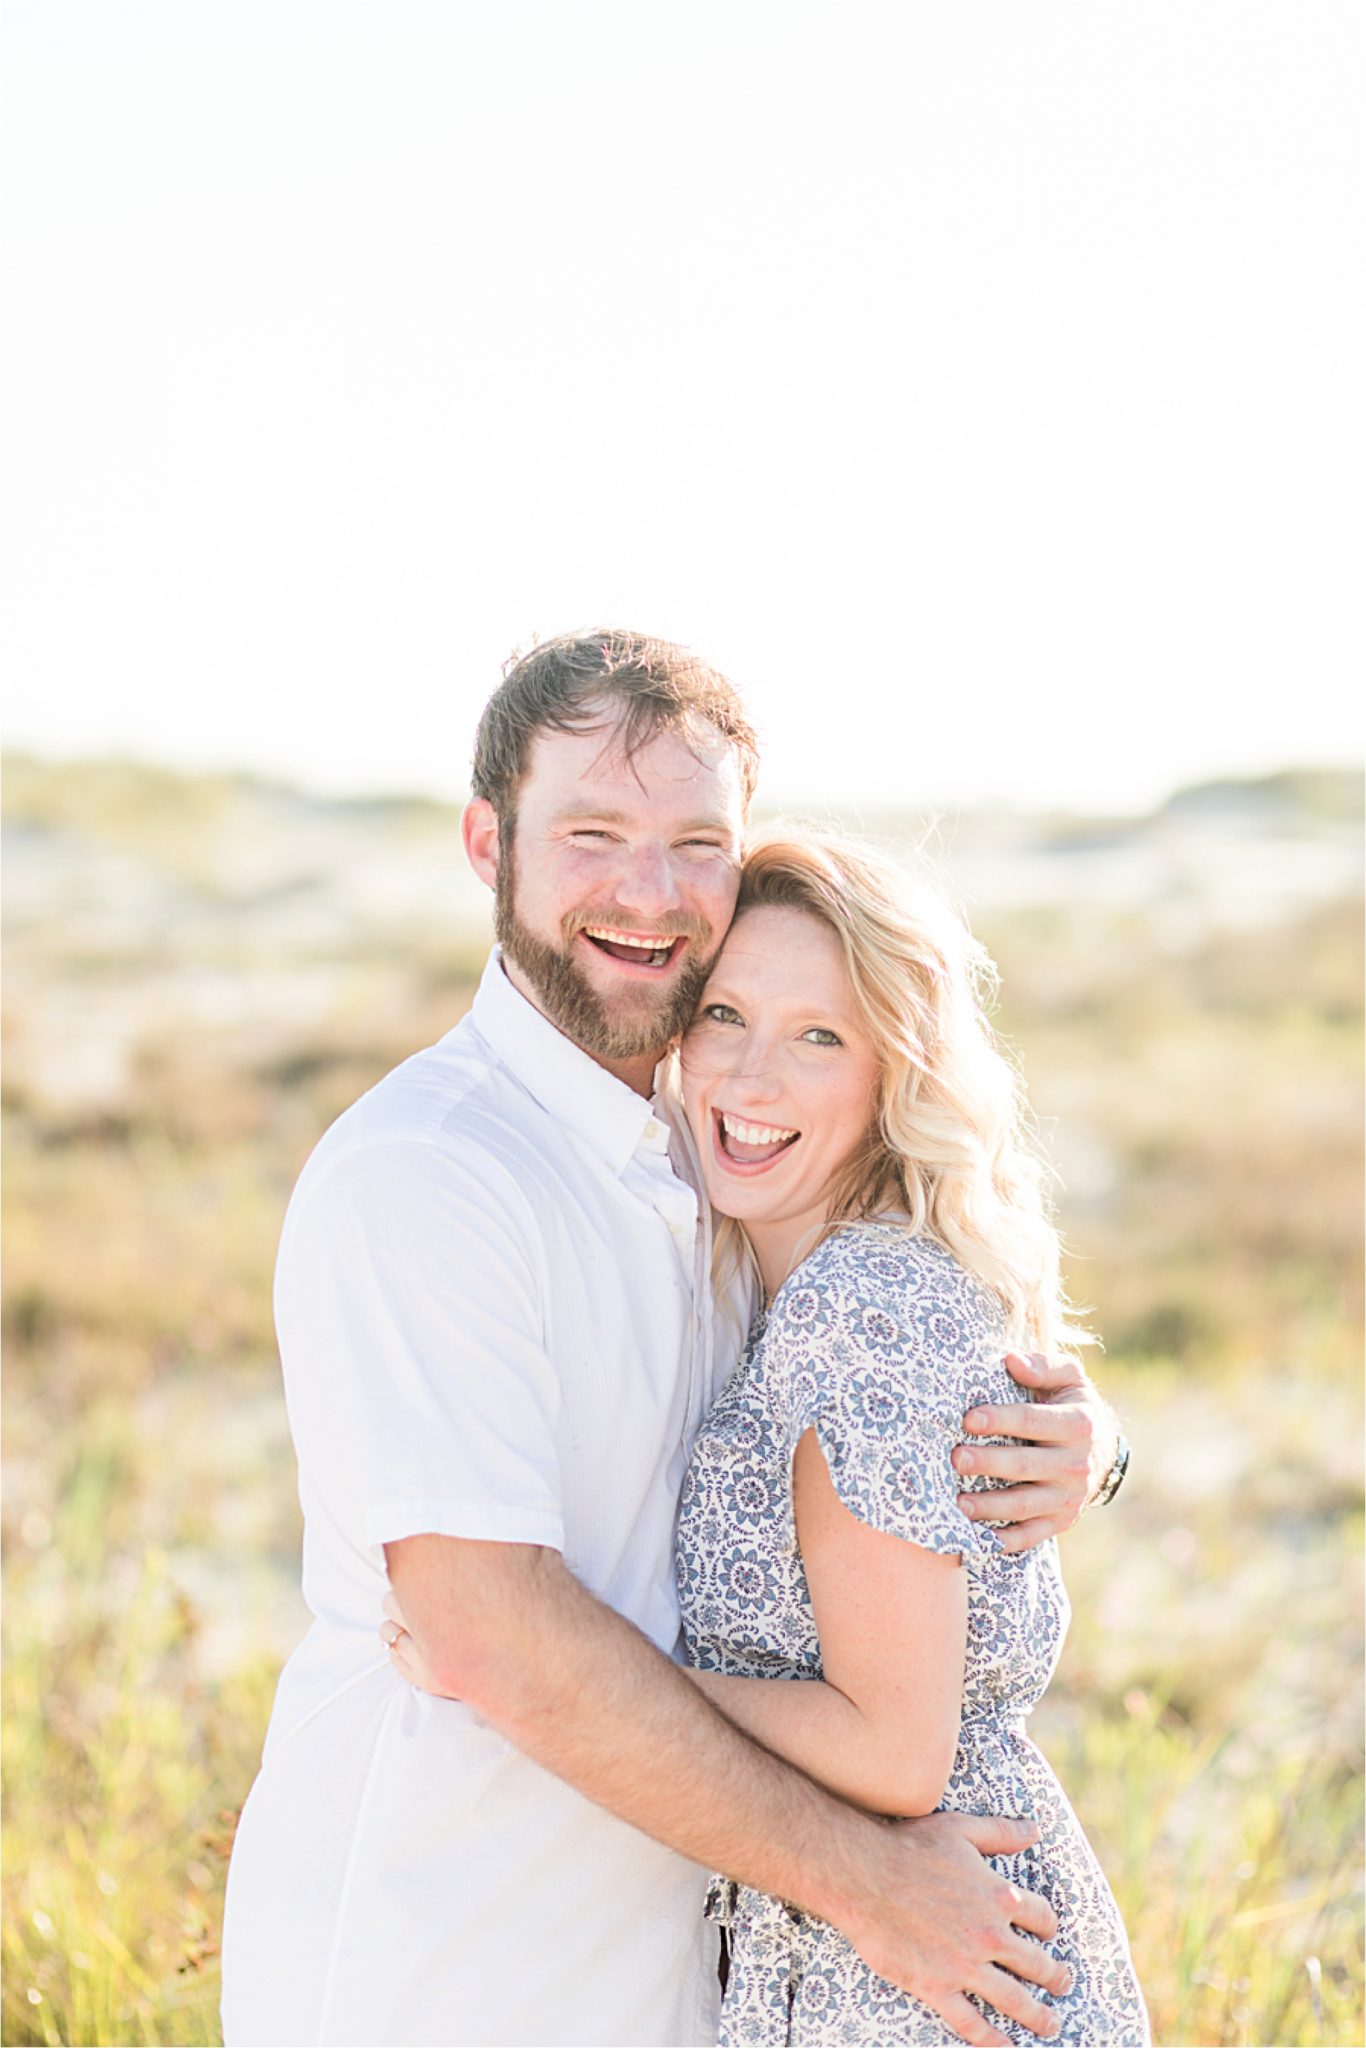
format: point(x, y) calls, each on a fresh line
point(498, 1340)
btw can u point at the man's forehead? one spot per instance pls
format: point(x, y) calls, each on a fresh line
point(597, 765)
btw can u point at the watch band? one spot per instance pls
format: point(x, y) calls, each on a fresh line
point(1114, 1478)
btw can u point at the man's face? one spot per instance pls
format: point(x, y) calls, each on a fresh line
point(618, 887)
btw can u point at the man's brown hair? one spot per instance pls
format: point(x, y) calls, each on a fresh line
point(644, 686)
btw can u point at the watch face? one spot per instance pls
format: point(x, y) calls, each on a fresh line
point(1110, 1485)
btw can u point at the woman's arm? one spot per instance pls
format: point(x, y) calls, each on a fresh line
point(508, 1629)
point(892, 1619)
point(882, 1727)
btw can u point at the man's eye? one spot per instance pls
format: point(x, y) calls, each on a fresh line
point(818, 1035)
point(588, 832)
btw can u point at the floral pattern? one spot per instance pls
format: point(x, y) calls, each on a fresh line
point(879, 1342)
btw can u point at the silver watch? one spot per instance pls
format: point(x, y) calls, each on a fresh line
point(1114, 1478)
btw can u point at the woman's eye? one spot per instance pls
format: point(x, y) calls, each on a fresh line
point(818, 1035)
point(718, 1013)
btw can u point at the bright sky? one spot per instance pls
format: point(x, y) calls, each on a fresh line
point(979, 384)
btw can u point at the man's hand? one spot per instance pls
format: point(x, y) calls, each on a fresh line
point(940, 1923)
point(947, 1924)
point(508, 1629)
point(1065, 1443)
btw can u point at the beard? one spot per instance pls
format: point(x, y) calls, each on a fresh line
point(627, 1026)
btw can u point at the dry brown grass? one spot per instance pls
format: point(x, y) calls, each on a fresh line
point(1203, 1100)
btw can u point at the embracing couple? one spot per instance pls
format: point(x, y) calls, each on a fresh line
point(645, 1346)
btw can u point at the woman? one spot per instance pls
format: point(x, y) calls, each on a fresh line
point(860, 1136)
point(860, 1128)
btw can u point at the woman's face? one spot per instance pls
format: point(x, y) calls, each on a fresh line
point(779, 1079)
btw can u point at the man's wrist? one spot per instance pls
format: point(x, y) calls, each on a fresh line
point(846, 1881)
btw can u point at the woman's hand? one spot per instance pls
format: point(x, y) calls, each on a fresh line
point(1064, 1443)
point(404, 1654)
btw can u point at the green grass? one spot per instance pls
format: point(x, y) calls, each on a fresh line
point(1207, 1717)
point(123, 1767)
point(1204, 1723)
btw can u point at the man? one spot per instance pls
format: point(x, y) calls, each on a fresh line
point(497, 1340)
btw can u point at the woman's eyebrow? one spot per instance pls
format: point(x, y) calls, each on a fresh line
point(718, 991)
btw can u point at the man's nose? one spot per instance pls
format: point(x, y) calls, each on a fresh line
point(648, 884)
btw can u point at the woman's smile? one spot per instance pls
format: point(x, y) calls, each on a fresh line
point(744, 1146)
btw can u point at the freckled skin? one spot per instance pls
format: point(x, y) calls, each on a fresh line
point(777, 1041)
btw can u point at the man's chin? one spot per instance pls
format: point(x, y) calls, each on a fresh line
point(611, 1016)
point(613, 1036)
point(632, 991)
point(620, 1019)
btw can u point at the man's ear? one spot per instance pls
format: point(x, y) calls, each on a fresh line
point(479, 830)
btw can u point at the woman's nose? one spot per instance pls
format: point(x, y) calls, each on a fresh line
point(758, 1074)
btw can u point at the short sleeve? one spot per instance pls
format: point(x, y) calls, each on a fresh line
point(879, 1372)
point(420, 1394)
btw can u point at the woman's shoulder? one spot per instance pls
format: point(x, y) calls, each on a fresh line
point(882, 1284)
point(883, 1334)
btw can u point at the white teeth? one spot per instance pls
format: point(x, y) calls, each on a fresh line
point(599, 931)
point(754, 1134)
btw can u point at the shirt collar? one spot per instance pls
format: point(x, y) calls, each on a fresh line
point(668, 1107)
point(569, 1086)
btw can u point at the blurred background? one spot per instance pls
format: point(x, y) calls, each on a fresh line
point(981, 389)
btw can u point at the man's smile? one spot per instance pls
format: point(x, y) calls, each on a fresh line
point(651, 951)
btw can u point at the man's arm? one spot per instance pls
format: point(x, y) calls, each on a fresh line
point(507, 1629)
point(1065, 1442)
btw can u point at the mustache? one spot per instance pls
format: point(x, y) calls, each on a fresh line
point(612, 921)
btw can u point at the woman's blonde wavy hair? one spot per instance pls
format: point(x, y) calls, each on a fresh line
point(950, 1153)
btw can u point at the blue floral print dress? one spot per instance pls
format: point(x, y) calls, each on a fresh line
point(880, 1341)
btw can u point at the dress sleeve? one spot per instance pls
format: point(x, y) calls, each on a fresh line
point(420, 1394)
point(880, 1373)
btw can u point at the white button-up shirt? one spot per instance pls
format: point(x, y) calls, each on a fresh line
point(486, 1303)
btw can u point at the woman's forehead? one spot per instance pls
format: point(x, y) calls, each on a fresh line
point(784, 949)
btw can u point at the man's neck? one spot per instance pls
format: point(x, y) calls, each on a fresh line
point(638, 1072)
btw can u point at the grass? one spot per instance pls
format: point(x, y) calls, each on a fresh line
point(1207, 1718)
point(1204, 1103)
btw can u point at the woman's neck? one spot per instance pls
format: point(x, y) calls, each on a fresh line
point(779, 1249)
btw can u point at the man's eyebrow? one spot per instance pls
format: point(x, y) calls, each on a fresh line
point(605, 815)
